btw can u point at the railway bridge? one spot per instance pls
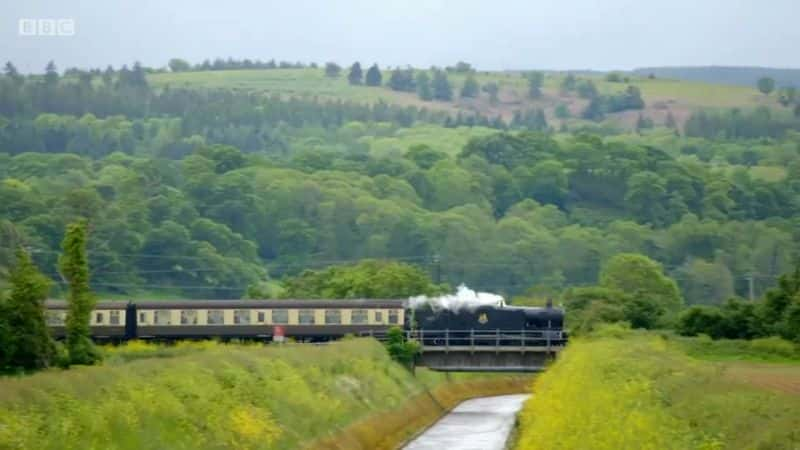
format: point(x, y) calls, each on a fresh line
point(486, 350)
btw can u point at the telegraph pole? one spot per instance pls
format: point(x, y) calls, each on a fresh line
point(751, 287)
point(437, 268)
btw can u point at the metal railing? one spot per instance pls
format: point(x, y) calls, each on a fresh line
point(481, 340)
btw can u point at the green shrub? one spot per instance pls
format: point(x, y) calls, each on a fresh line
point(775, 346)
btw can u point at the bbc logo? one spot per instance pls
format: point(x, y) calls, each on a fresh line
point(47, 27)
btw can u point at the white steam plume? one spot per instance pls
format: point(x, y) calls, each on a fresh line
point(464, 298)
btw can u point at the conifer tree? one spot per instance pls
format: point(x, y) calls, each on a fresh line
point(470, 89)
point(535, 81)
point(75, 268)
point(355, 75)
point(373, 77)
point(424, 86)
point(25, 342)
point(441, 87)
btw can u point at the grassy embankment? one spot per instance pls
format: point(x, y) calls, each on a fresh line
point(215, 396)
point(644, 392)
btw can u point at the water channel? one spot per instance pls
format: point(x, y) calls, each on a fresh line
point(477, 424)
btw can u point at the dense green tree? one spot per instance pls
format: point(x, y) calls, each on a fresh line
point(74, 265)
point(367, 279)
point(569, 83)
point(493, 90)
point(586, 89)
point(471, 88)
point(766, 85)
point(735, 319)
point(461, 67)
point(332, 70)
point(595, 110)
point(355, 75)
point(645, 197)
point(400, 349)
point(441, 87)
point(641, 277)
point(51, 74)
point(782, 305)
point(25, 341)
point(373, 76)
point(424, 156)
point(402, 80)
point(787, 96)
point(535, 82)
point(424, 86)
point(179, 65)
point(588, 307)
point(705, 282)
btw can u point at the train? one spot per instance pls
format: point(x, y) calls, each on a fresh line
point(304, 320)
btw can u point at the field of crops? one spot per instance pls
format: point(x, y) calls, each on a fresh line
point(643, 392)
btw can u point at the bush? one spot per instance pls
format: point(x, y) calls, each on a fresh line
point(619, 330)
point(775, 346)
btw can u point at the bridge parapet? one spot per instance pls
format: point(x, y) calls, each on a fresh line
point(486, 350)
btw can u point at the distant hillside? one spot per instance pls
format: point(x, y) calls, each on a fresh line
point(744, 76)
point(662, 96)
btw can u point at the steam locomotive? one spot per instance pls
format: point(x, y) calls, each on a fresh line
point(309, 320)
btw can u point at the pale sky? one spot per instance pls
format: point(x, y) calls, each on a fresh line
point(496, 34)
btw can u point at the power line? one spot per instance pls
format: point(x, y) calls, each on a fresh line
point(155, 286)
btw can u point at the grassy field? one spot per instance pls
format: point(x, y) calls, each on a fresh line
point(644, 392)
point(291, 82)
point(781, 378)
point(448, 140)
point(660, 95)
point(212, 396)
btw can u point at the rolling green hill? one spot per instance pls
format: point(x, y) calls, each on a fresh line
point(661, 96)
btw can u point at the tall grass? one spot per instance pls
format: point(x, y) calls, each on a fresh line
point(207, 396)
point(642, 392)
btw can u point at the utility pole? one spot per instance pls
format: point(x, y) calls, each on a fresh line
point(751, 287)
point(437, 268)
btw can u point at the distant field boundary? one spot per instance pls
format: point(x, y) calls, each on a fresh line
point(392, 429)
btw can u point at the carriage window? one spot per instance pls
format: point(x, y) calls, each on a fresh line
point(142, 318)
point(280, 316)
point(306, 317)
point(241, 317)
point(113, 317)
point(394, 318)
point(333, 316)
point(189, 317)
point(162, 317)
point(261, 317)
point(98, 318)
point(359, 316)
point(379, 316)
point(55, 317)
point(215, 317)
